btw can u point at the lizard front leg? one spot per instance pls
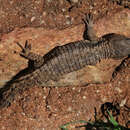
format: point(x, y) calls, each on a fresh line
point(89, 33)
point(37, 60)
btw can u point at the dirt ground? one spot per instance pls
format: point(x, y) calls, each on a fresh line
point(53, 14)
point(47, 23)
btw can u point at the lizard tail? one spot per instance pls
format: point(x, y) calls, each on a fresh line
point(10, 91)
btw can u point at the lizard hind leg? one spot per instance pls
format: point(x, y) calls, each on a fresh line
point(89, 33)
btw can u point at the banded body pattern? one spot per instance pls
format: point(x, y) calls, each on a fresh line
point(73, 56)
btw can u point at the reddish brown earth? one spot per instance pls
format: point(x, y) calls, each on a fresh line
point(49, 108)
point(53, 14)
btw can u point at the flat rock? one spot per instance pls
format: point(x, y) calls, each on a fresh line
point(43, 40)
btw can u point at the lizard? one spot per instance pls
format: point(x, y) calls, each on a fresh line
point(65, 59)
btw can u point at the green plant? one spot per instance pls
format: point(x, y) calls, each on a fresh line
point(111, 124)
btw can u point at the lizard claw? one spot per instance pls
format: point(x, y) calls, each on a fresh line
point(27, 45)
point(25, 50)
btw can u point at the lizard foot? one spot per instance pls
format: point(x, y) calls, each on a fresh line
point(89, 20)
point(25, 50)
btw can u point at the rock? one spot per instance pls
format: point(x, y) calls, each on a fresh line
point(43, 40)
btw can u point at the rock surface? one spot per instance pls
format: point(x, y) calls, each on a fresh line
point(53, 14)
point(43, 40)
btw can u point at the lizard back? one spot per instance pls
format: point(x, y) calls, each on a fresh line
point(72, 57)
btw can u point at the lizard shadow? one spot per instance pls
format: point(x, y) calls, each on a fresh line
point(22, 73)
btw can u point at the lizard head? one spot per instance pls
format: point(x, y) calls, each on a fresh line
point(125, 46)
point(122, 47)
